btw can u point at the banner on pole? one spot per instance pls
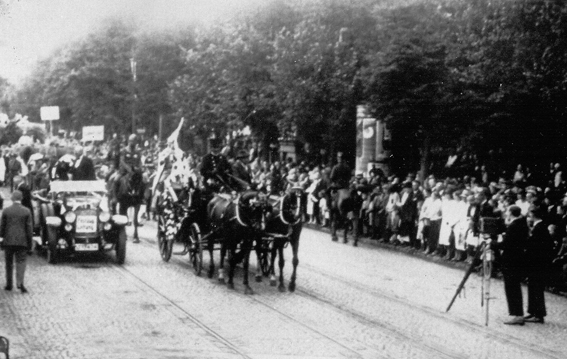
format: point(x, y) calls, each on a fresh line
point(93, 133)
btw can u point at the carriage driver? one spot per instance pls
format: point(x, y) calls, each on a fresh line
point(215, 167)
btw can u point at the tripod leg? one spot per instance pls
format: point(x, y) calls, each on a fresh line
point(467, 275)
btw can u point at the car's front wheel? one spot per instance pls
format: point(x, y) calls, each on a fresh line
point(121, 246)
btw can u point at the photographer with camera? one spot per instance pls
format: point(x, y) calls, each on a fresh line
point(512, 260)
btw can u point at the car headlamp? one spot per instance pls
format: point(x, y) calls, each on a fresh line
point(104, 217)
point(120, 220)
point(70, 217)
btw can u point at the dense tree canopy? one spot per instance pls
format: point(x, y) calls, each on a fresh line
point(481, 74)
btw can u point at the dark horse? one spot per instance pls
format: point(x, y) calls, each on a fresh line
point(345, 206)
point(235, 223)
point(284, 226)
point(129, 192)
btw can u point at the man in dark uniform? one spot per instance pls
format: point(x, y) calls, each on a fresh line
point(340, 174)
point(215, 167)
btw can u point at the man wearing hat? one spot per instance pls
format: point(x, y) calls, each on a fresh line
point(16, 230)
point(215, 167)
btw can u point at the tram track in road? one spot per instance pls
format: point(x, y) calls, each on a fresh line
point(179, 312)
point(417, 342)
point(179, 261)
point(260, 299)
point(381, 295)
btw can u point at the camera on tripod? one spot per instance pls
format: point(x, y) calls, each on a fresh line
point(492, 226)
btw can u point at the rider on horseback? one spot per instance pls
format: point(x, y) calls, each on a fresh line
point(130, 158)
point(341, 174)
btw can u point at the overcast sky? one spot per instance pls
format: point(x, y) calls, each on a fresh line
point(31, 29)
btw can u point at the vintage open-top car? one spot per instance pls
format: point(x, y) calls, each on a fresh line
point(74, 218)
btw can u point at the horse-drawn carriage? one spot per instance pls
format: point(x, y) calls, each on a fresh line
point(230, 223)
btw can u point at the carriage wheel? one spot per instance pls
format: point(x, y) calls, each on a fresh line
point(165, 245)
point(196, 250)
point(265, 258)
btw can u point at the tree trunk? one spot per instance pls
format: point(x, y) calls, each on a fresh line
point(425, 158)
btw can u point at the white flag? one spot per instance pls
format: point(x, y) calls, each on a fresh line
point(172, 140)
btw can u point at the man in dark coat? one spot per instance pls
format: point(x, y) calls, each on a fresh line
point(16, 229)
point(539, 254)
point(241, 171)
point(83, 168)
point(340, 174)
point(215, 167)
point(513, 261)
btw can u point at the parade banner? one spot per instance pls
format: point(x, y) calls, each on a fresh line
point(93, 133)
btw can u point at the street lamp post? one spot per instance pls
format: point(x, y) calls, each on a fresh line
point(133, 68)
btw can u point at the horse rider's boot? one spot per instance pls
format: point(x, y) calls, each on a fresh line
point(136, 240)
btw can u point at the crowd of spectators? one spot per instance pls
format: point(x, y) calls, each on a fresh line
point(439, 215)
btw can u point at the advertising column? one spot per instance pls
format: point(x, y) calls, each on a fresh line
point(366, 139)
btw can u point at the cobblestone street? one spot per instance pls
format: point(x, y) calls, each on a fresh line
point(363, 302)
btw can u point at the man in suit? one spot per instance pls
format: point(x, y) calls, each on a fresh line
point(16, 229)
point(83, 168)
point(513, 261)
point(539, 254)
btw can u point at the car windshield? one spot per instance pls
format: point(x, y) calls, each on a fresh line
point(78, 187)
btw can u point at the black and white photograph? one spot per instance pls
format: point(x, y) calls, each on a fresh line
point(270, 179)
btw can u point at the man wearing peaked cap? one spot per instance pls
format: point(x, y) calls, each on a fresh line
point(215, 167)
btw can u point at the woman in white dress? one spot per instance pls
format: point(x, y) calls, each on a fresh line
point(448, 210)
point(462, 226)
